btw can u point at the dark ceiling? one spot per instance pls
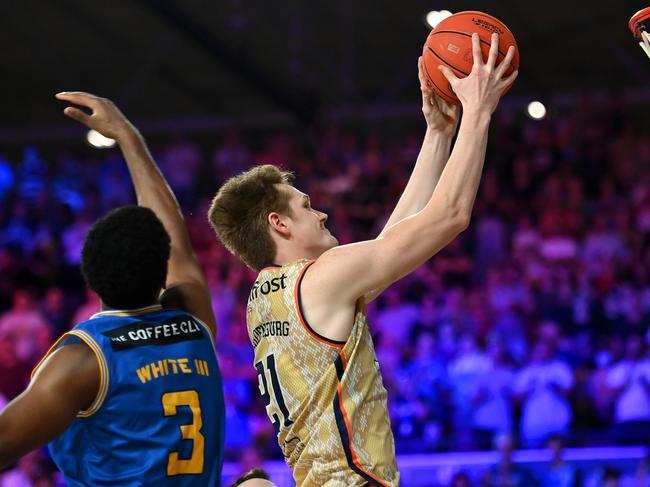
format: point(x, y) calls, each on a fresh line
point(163, 59)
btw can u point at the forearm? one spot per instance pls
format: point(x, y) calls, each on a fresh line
point(150, 186)
point(20, 433)
point(459, 181)
point(14, 435)
point(10, 452)
point(426, 173)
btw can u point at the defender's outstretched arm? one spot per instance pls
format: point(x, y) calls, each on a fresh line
point(186, 286)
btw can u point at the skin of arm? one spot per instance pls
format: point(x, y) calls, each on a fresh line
point(346, 273)
point(442, 122)
point(66, 383)
point(186, 286)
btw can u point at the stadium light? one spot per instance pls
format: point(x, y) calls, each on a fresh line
point(98, 141)
point(434, 17)
point(536, 110)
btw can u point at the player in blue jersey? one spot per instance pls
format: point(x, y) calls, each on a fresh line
point(132, 396)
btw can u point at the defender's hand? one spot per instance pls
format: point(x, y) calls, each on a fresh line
point(482, 89)
point(439, 114)
point(105, 117)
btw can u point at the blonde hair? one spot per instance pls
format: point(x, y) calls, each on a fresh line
point(240, 209)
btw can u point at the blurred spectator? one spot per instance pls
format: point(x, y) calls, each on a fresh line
point(460, 479)
point(542, 386)
point(32, 174)
point(602, 244)
point(25, 327)
point(55, 311)
point(14, 372)
point(643, 472)
point(73, 238)
point(611, 477)
point(506, 473)
point(492, 400)
point(395, 320)
point(181, 163)
point(465, 372)
point(629, 380)
point(7, 179)
point(559, 473)
point(231, 158)
point(88, 308)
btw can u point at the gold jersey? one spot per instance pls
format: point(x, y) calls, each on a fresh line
point(325, 398)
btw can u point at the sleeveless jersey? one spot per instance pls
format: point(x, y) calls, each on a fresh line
point(158, 418)
point(325, 398)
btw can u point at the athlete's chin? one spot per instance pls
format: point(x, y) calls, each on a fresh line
point(332, 241)
point(328, 243)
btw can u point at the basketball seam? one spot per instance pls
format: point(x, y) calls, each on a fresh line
point(450, 100)
point(446, 62)
point(497, 22)
point(466, 35)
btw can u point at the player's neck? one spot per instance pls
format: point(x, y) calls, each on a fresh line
point(105, 307)
point(286, 255)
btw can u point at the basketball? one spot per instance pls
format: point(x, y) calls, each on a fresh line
point(450, 43)
point(639, 22)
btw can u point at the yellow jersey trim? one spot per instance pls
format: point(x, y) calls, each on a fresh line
point(101, 361)
point(47, 354)
point(103, 373)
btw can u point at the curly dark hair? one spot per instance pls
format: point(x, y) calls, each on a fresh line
point(256, 473)
point(124, 258)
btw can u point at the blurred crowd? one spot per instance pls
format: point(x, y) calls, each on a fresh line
point(533, 323)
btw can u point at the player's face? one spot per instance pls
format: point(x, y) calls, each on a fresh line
point(307, 224)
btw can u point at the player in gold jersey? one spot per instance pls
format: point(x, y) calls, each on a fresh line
point(317, 369)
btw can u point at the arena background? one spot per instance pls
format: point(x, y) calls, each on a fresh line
point(533, 323)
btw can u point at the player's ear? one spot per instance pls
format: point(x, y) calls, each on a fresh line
point(278, 223)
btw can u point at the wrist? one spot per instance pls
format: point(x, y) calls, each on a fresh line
point(127, 133)
point(478, 116)
point(447, 133)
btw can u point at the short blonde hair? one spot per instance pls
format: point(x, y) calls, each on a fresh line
point(240, 209)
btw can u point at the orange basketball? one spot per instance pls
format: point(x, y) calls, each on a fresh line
point(450, 43)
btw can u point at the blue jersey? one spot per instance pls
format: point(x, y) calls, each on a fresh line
point(158, 418)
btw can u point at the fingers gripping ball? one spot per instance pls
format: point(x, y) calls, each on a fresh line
point(450, 43)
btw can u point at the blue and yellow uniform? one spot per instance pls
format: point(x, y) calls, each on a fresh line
point(158, 418)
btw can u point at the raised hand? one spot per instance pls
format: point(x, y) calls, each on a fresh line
point(438, 114)
point(105, 117)
point(482, 89)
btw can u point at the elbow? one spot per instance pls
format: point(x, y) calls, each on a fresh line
point(463, 221)
point(459, 220)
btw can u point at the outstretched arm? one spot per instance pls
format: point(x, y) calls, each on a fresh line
point(186, 286)
point(344, 274)
point(442, 122)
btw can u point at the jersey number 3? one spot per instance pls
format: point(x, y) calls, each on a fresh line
point(193, 465)
point(277, 390)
